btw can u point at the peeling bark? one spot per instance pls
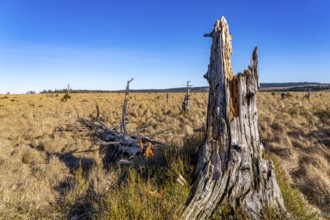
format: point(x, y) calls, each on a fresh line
point(231, 170)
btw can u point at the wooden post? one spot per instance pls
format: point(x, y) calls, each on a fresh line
point(231, 171)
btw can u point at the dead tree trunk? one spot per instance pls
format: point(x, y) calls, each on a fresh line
point(125, 108)
point(309, 95)
point(121, 147)
point(68, 90)
point(231, 171)
point(186, 101)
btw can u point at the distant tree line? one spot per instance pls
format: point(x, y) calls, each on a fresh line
point(75, 91)
point(289, 84)
point(183, 89)
point(299, 89)
point(264, 87)
point(310, 88)
point(55, 91)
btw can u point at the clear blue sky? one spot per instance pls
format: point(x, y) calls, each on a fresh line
point(99, 44)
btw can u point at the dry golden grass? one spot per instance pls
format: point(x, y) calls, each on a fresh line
point(297, 131)
point(41, 178)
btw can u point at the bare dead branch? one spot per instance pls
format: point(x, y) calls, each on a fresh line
point(97, 112)
point(123, 145)
point(139, 129)
point(157, 132)
point(125, 108)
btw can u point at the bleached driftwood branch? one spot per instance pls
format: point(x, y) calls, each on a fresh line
point(123, 145)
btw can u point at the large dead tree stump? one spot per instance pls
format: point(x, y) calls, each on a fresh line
point(231, 171)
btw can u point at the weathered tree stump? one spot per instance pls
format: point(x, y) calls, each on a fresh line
point(186, 101)
point(231, 171)
point(309, 95)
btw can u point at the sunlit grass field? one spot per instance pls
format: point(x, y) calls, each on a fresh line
point(46, 173)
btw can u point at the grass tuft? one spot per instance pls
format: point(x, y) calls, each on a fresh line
point(294, 202)
point(149, 189)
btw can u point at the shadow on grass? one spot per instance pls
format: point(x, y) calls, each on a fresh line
point(148, 188)
point(313, 189)
point(72, 162)
point(82, 208)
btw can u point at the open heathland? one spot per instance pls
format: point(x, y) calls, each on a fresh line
point(51, 167)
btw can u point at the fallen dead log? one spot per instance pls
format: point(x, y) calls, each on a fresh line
point(119, 144)
point(123, 147)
